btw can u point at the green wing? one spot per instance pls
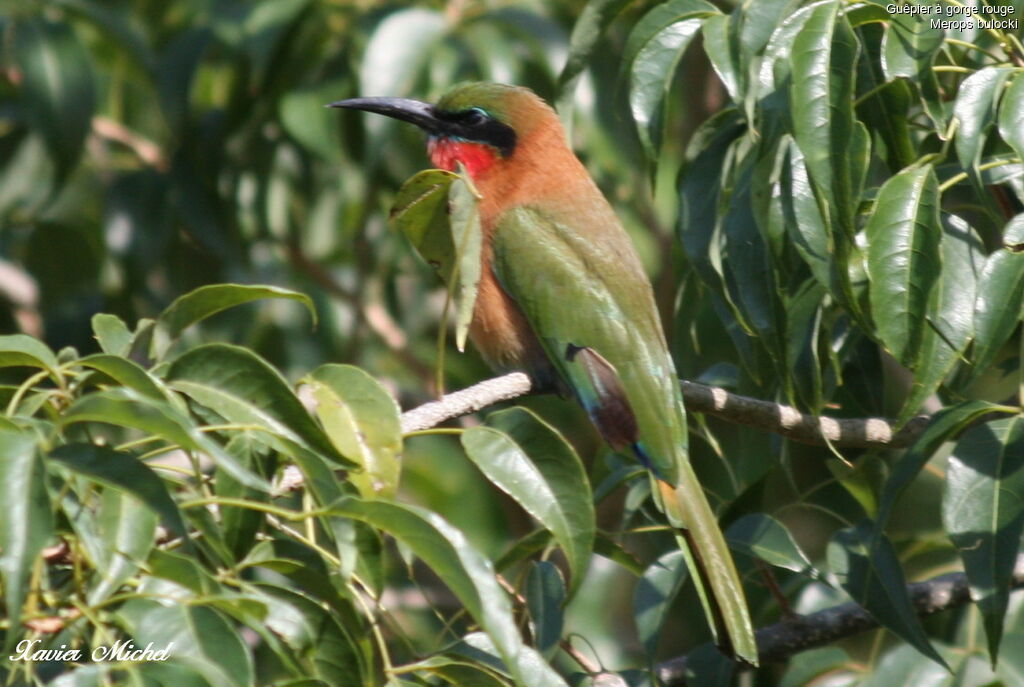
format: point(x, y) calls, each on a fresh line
point(591, 306)
point(589, 303)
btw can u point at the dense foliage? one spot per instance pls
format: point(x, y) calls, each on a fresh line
point(829, 197)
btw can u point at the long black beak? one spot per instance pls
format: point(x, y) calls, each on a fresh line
point(415, 111)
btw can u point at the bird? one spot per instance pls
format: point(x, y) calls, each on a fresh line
point(563, 296)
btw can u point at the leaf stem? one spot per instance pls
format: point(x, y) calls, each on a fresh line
point(956, 179)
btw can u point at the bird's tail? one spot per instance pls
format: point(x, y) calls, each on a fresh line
point(711, 566)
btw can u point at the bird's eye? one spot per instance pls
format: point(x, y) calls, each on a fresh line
point(475, 115)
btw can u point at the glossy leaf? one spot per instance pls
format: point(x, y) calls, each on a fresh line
point(949, 324)
point(903, 258)
point(527, 459)
point(975, 109)
point(213, 646)
point(586, 32)
point(1011, 114)
point(112, 333)
point(723, 51)
point(241, 387)
point(397, 50)
point(467, 238)
point(463, 569)
point(818, 665)
point(438, 213)
point(331, 650)
point(529, 667)
point(942, 427)
point(361, 420)
point(19, 349)
point(767, 539)
point(127, 529)
point(124, 472)
point(545, 598)
point(26, 520)
point(125, 372)
point(1001, 282)
point(805, 225)
point(909, 46)
point(128, 408)
point(868, 569)
point(654, 594)
point(56, 86)
point(983, 512)
point(821, 98)
point(208, 300)
point(651, 78)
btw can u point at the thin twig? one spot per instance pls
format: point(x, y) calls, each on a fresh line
point(743, 410)
point(791, 636)
point(146, 150)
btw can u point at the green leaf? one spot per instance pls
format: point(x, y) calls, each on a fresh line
point(762, 536)
point(112, 334)
point(884, 105)
point(818, 667)
point(975, 108)
point(305, 118)
point(867, 567)
point(125, 472)
point(21, 350)
point(128, 408)
point(652, 52)
point(324, 639)
point(438, 212)
point(459, 672)
point(586, 32)
point(654, 594)
point(26, 519)
point(651, 76)
point(463, 569)
point(202, 639)
point(467, 237)
point(545, 598)
point(362, 421)
point(56, 87)
point(531, 462)
point(1011, 115)
point(117, 29)
point(243, 388)
point(1001, 282)
point(529, 667)
point(909, 46)
point(949, 317)
point(941, 428)
point(908, 51)
point(821, 98)
point(126, 373)
point(983, 512)
point(758, 21)
point(208, 300)
point(127, 530)
point(805, 225)
point(721, 47)
point(656, 20)
point(903, 258)
point(398, 49)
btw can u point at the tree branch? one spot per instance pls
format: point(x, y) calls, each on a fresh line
point(782, 640)
point(871, 432)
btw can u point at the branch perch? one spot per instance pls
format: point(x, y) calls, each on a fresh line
point(872, 432)
point(782, 640)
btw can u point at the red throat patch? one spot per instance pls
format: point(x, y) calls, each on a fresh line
point(445, 153)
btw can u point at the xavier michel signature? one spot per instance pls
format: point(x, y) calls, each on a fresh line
point(26, 650)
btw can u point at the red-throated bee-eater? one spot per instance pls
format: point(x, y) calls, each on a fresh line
point(563, 297)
